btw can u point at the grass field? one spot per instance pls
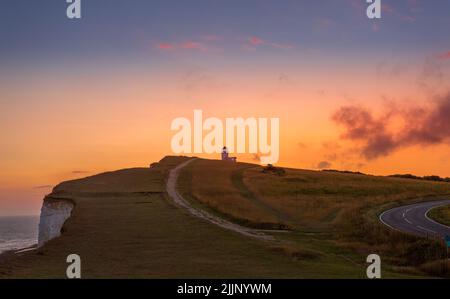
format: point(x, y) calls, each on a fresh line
point(441, 215)
point(124, 226)
point(327, 213)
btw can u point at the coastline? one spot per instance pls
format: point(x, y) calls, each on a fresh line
point(54, 213)
point(18, 233)
point(128, 210)
point(13, 252)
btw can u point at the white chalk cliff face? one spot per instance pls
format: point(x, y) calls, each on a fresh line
point(53, 215)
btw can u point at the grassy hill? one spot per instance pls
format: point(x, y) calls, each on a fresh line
point(328, 213)
point(124, 226)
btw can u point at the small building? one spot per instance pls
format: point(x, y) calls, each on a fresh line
point(226, 156)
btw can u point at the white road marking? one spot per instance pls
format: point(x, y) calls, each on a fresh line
point(417, 228)
point(385, 223)
point(406, 219)
point(426, 229)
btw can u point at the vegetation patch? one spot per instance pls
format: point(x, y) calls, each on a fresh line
point(336, 213)
point(441, 215)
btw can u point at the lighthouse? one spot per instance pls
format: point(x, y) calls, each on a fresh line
point(226, 156)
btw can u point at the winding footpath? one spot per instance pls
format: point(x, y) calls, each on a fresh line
point(414, 219)
point(171, 187)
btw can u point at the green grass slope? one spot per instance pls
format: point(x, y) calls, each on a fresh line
point(123, 226)
point(326, 213)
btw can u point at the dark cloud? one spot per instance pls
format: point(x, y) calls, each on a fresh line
point(331, 145)
point(422, 126)
point(324, 165)
point(432, 75)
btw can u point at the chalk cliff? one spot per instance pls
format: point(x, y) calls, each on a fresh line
point(54, 213)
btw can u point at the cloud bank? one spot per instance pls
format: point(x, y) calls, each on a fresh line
point(424, 126)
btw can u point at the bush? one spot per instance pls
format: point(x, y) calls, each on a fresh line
point(275, 170)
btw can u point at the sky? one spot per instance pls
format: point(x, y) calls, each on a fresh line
point(79, 97)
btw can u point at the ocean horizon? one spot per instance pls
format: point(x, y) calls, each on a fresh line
point(17, 232)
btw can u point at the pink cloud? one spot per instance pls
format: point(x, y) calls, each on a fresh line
point(444, 56)
point(211, 43)
point(255, 41)
point(166, 46)
point(191, 45)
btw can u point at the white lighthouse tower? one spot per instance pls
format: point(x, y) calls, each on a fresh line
point(225, 155)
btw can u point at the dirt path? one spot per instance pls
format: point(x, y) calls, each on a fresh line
point(180, 201)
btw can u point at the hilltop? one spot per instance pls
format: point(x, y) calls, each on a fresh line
point(124, 225)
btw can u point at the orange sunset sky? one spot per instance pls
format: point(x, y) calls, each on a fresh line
point(351, 94)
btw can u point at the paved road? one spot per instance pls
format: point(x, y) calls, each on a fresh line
point(413, 219)
point(183, 203)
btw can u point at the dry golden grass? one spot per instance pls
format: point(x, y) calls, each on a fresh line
point(317, 199)
point(441, 215)
point(306, 199)
point(124, 227)
point(341, 208)
point(210, 183)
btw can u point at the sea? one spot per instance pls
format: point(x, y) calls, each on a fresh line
point(18, 232)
